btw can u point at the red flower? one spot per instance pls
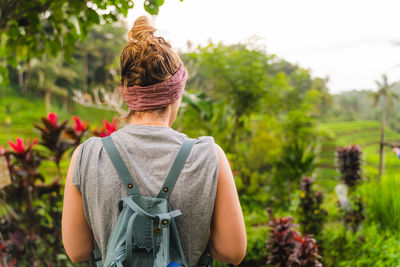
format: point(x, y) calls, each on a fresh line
point(20, 147)
point(106, 129)
point(79, 125)
point(101, 132)
point(52, 117)
point(110, 127)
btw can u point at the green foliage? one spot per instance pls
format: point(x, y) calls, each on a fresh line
point(92, 66)
point(311, 214)
point(369, 247)
point(30, 29)
point(264, 111)
point(363, 133)
point(96, 60)
point(51, 137)
point(359, 106)
point(385, 93)
point(24, 112)
point(152, 6)
point(297, 159)
point(237, 74)
point(383, 202)
point(257, 107)
point(30, 208)
point(31, 232)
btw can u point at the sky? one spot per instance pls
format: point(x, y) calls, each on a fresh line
point(353, 42)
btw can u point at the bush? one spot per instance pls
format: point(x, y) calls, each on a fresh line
point(311, 214)
point(383, 202)
point(368, 247)
point(352, 206)
point(349, 164)
point(31, 206)
point(288, 248)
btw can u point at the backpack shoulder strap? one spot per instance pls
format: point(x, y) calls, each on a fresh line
point(95, 260)
point(176, 168)
point(120, 166)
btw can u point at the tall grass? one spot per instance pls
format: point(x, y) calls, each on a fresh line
point(383, 201)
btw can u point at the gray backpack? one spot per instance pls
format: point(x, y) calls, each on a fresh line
point(145, 234)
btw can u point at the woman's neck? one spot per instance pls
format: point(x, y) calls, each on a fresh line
point(150, 119)
point(166, 118)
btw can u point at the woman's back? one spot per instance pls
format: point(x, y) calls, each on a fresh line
point(149, 152)
point(152, 84)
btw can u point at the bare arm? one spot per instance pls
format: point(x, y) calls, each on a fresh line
point(76, 234)
point(228, 241)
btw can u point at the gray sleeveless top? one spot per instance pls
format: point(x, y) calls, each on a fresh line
point(148, 152)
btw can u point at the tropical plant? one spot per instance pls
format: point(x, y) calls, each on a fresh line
point(351, 204)
point(349, 164)
point(305, 253)
point(383, 202)
point(51, 137)
point(77, 131)
point(31, 206)
point(386, 97)
point(106, 129)
point(281, 242)
point(24, 168)
point(238, 74)
point(311, 213)
point(30, 229)
point(288, 248)
point(297, 159)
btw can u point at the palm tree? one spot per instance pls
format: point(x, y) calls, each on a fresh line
point(385, 96)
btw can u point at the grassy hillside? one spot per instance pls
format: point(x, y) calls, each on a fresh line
point(363, 133)
point(23, 113)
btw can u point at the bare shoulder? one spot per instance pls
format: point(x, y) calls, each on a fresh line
point(222, 159)
point(220, 151)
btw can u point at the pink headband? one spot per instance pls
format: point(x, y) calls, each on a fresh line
point(158, 95)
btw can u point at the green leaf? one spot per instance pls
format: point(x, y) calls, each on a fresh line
point(152, 6)
point(75, 22)
point(92, 16)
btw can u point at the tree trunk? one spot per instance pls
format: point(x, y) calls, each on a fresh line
point(85, 70)
point(47, 99)
point(382, 141)
point(28, 76)
point(21, 81)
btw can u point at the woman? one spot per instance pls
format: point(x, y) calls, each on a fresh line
point(152, 83)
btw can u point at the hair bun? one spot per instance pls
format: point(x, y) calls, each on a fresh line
point(141, 30)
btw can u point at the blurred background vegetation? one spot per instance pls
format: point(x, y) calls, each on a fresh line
point(276, 122)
